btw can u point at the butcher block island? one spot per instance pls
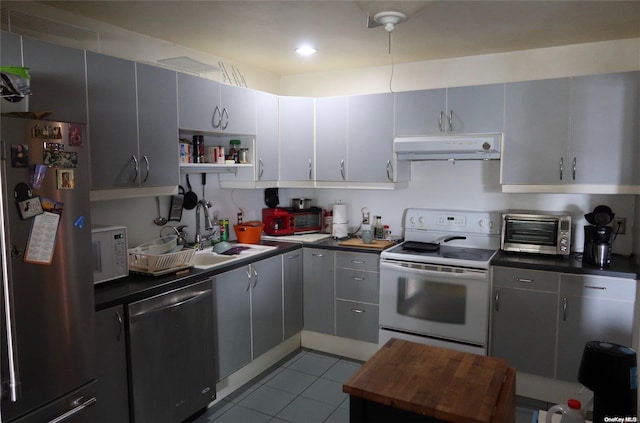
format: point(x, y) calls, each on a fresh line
point(410, 382)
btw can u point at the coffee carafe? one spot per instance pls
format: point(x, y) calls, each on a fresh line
point(598, 237)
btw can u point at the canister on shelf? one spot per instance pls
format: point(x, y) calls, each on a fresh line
point(198, 149)
point(234, 145)
point(243, 155)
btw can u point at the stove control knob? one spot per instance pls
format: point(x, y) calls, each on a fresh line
point(412, 220)
point(421, 220)
point(481, 223)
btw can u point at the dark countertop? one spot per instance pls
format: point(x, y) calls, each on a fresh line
point(621, 266)
point(136, 287)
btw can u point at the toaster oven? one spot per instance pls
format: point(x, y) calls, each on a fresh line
point(282, 221)
point(538, 233)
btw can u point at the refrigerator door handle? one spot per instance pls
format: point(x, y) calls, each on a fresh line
point(78, 407)
point(12, 385)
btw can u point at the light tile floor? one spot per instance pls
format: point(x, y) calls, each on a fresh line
point(305, 387)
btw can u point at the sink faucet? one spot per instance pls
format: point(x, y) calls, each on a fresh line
point(208, 225)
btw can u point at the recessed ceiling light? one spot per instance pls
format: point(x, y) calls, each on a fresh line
point(306, 50)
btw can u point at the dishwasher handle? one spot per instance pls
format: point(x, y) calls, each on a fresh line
point(173, 305)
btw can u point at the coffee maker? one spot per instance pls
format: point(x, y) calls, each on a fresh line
point(610, 371)
point(598, 237)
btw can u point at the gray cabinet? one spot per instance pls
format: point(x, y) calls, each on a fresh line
point(266, 137)
point(331, 139)
point(524, 318)
point(357, 282)
point(11, 55)
point(370, 135)
point(58, 82)
point(266, 304)
point(561, 134)
point(209, 106)
point(293, 297)
point(318, 288)
point(592, 308)
point(132, 129)
point(111, 368)
point(542, 320)
point(233, 320)
point(296, 121)
point(473, 109)
point(604, 133)
point(536, 132)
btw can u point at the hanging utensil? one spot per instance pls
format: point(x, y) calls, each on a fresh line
point(190, 197)
point(160, 221)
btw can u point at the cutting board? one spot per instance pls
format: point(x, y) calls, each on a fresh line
point(377, 244)
point(437, 382)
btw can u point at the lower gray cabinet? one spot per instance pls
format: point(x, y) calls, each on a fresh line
point(318, 286)
point(111, 368)
point(233, 320)
point(266, 304)
point(357, 321)
point(523, 327)
point(293, 296)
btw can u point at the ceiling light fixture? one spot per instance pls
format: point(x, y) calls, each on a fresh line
point(390, 19)
point(306, 50)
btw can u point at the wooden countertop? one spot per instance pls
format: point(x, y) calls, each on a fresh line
point(437, 382)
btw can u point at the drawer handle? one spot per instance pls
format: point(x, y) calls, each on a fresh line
point(357, 261)
point(523, 280)
point(602, 288)
point(564, 309)
point(295, 256)
point(358, 278)
point(317, 255)
point(357, 310)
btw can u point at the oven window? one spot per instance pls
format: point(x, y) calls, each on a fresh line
point(432, 301)
point(530, 232)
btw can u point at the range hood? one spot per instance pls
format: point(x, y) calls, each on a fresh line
point(449, 147)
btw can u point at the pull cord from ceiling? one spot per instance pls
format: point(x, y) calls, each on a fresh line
point(390, 76)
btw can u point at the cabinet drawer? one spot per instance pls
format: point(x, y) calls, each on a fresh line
point(358, 261)
point(535, 280)
point(357, 285)
point(357, 321)
point(598, 287)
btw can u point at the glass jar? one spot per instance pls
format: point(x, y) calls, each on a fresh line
point(234, 145)
point(378, 230)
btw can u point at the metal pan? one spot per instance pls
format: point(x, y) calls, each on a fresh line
point(190, 197)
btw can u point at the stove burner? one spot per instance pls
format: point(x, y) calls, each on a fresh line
point(463, 254)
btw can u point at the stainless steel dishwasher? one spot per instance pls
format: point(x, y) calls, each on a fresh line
point(172, 354)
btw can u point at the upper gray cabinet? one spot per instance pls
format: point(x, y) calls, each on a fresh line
point(370, 135)
point(296, 118)
point(473, 109)
point(573, 135)
point(331, 139)
point(267, 137)
point(132, 124)
point(208, 106)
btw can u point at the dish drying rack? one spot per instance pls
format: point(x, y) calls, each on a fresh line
point(160, 264)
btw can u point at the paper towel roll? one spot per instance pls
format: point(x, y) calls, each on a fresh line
point(340, 213)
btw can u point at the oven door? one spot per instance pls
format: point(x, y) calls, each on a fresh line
point(446, 302)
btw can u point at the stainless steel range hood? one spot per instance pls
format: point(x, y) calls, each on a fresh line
point(449, 147)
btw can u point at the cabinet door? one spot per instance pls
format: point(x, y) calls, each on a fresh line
point(319, 314)
point(58, 81)
point(536, 132)
point(238, 110)
point(296, 138)
point(331, 139)
point(370, 135)
point(233, 320)
point(198, 103)
point(592, 308)
point(111, 367)
point(604, 137)
point(357, 321)
point(476, 109)
point(293, 297)
point(420, 112)
point(524, 316)
point(158, 126)
point(267, 136)
point(266, 305)
point(11, 55)
point(113, 127)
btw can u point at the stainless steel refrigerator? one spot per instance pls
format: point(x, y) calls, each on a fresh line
point(47, 353)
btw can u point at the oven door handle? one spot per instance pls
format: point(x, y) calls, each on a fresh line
point(424, 270)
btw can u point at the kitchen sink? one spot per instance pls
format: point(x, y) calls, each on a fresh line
point(206, 259)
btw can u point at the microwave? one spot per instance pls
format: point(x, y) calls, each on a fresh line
point(290, 221)
point(109, 253)
point(538, 233)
